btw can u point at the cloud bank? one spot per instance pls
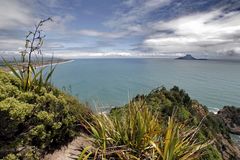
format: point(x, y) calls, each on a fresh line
point(209, 32)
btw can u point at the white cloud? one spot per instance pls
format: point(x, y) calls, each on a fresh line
point(11, 44)
point(59, 23)
point(213, 31)
point(94, 33)
point(14, 14)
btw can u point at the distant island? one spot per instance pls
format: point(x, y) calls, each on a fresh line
point(190, 57)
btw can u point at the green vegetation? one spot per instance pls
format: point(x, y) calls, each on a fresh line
point(35, 117)
point(33, 122)
point(139, 133)
point(162, 103)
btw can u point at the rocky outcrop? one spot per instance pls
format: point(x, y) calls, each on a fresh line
point(228, 149)
point(231, 117)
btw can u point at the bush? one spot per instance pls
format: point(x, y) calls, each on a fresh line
point(36, 121)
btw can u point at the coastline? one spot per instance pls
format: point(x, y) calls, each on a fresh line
point(55, 63)
point(45, 64)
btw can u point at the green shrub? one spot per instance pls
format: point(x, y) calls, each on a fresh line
point(10, 157)
point(34, 122)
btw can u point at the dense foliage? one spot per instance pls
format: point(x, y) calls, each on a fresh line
point(163, 102)
point(33, 122)
point(137, 133)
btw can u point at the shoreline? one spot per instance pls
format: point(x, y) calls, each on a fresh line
point(55, 63)
point(45, 64)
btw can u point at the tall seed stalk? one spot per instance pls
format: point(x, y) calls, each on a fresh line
point(30, 77)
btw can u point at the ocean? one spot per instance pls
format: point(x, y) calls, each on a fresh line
point(105, 83)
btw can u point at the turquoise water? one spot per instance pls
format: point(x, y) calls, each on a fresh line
point(112, 82)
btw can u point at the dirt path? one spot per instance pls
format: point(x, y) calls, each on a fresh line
point(69, 152)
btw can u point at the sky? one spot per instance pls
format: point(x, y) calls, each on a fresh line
point(123, 28)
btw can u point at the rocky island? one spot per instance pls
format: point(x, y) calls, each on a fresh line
point(189, 57)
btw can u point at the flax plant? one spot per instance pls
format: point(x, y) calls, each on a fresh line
point(26, 71)
point(179, 142)
point(137, 133)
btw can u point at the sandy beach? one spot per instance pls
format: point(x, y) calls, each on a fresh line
point(39, 65)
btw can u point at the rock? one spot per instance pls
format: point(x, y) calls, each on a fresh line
point(227, 148)
point(231, 117)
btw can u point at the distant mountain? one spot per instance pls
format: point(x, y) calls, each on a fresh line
point(189, 57)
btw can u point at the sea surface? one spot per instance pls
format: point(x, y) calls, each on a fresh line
point(113, 82)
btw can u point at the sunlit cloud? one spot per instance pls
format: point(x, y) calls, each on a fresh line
point(213, 31)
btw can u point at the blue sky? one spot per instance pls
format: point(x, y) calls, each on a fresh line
point(165, 28)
